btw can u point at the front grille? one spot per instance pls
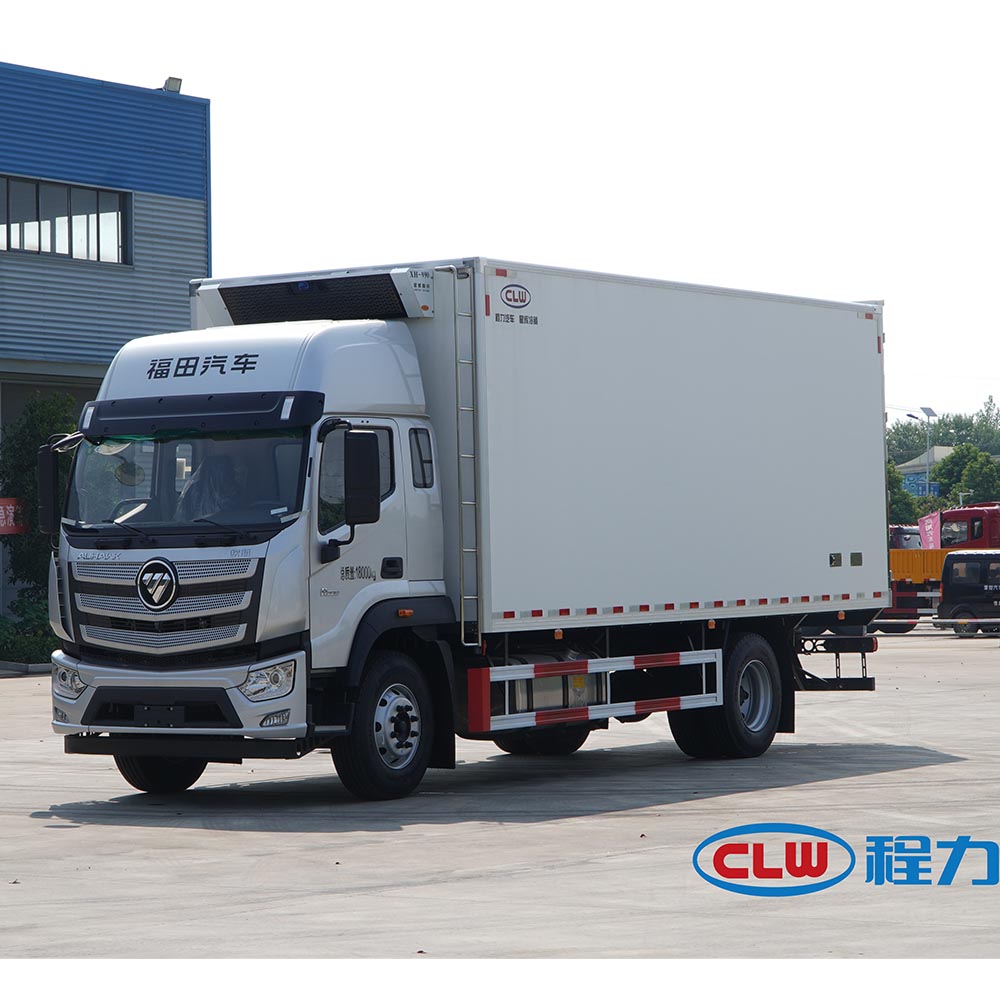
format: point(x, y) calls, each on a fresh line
point(194, 571)
point(127, 638)
point(116, 606)
point(215, 606)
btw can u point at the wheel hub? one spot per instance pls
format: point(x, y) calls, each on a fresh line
point(755, 695)
point(396, 726)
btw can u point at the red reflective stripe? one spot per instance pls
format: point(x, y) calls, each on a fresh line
point(668, 607)
point(720, 604)
point(509, 614)
point(805, 600)
point(845, 597)
point(487, 305)
point(658, 660)
point(695, 604)
point(562, 715)
point(591, 611)
point(536, 614)
point(643, 607)
point(784, 600)
point(762, 600)
point(479, 700)
point(502, 273)
point(617, 611)
point(561, 669)
point(741, 604)
point(826, 597)
point(564, 611)
point(657, 705)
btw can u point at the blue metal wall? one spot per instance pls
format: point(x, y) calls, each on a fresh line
point(61, 311)
point(102, 134)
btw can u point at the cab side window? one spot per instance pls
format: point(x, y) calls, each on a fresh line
point(331, 476)
point(964, 572)
point(420, 458)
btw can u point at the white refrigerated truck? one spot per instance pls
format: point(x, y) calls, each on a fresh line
point(369, 510)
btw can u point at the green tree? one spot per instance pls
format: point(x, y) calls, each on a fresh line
point(905, 440)
point(902, 509)
point(948, 472)
point(981, 478)
point(43, 416)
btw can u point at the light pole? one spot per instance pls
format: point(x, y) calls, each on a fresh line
point(928, 413)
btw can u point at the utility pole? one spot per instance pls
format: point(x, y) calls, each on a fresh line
point(928, 413)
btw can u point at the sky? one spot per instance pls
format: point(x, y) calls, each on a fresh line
point(831, 150)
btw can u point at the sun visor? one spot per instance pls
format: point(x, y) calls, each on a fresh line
point(232, 411)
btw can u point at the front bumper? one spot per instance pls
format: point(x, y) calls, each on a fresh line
point(201, 702)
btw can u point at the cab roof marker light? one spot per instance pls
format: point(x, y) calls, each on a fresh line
point(286, 407)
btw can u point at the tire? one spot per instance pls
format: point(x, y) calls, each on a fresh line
point(161, 774)
point(387, 752)
point(745, 724)
point(894, 628)
point(964, 631)
point(550, 742)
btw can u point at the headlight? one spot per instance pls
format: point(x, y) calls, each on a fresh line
point(67, 683)
point(269, 682)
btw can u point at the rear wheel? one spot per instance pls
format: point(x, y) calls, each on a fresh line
point(555, 742)
point(386, 754)
point(895, 628)
point(968, 627)
point(745, 724)
point(161, 774)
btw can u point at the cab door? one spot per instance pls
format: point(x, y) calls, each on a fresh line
point(372, 567)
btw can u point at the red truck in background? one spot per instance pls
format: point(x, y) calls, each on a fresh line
point(916, 565)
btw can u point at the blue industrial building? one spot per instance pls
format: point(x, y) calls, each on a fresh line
point(104, 219)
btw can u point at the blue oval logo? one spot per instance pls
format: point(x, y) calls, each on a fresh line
point(774, 859)
point(515, 296)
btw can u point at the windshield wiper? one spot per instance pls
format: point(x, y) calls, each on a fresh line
point(235, 529)
point(122, 524)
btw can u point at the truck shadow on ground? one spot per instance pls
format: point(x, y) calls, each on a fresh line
point(499, 789)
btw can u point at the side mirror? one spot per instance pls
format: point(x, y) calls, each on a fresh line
point(48, 490)
point(362, 487)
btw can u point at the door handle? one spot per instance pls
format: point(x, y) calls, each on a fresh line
point(392, 568)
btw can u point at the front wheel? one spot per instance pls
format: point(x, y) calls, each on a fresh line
point(160, 774)
point(387, 751)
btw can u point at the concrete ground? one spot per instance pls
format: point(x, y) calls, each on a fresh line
point(587, 856)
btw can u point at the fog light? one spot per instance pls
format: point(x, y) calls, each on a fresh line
point(59, 715)
point(266, 683)
point(275, 719)
point(67, 683)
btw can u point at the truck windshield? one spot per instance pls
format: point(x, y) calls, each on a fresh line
point(183, 480)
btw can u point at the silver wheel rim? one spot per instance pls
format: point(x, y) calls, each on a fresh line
point(755, 695)
point(396, 726)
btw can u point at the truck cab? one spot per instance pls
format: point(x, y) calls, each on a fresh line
point(970, 590)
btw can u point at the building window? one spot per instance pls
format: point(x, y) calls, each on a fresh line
point(63, 219)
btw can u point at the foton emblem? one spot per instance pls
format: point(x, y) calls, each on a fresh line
point(157, 584)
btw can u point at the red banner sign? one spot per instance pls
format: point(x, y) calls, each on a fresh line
point(10, 517)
